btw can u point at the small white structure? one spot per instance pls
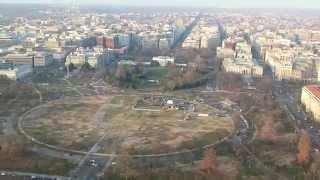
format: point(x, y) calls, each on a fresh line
point(163, 60)
point(170, 102)
point(127, 62)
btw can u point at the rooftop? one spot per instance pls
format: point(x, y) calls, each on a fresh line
point(314, 89)
point(6, 65)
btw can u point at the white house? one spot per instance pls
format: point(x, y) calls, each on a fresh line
point(163, 60)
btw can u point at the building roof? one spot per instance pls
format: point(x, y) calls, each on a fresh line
point(6, 65)
point(314, 89)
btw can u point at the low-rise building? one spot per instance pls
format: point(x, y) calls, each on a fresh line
point(94, 57)
point(42, 59)
point(203, 35)
point(93, 60)
point(247, 68)
point(318, 72)
point(225, 53)
point(19, 59)
point(191, 43)
point(149, 42)
point(310, 98)
point(52, 43)
point(242, 62)
point(14, 72)
point(164, 43)
point(76, 59)
point(293, 64)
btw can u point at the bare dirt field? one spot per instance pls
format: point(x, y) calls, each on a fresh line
point(78, 124)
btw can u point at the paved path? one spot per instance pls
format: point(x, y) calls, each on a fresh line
point(73, 87)
point(41, 176)
point(38, 92)
point(8, 128)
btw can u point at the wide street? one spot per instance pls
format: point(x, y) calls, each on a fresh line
point(296, 113)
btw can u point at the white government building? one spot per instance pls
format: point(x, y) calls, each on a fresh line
point(242, 62)
point(310, 98)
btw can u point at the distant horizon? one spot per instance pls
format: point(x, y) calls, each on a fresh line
point(165, 6)
point(227, 4)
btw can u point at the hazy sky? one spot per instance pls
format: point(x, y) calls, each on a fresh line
point(315, 4)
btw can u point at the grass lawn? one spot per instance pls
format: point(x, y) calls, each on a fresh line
point(152, 73)
point(156, 73)
point(123, 100)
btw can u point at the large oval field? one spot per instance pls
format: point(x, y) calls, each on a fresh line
point(126, 123)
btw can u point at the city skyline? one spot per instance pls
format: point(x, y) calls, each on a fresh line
point(292, 4)
point(159, 89)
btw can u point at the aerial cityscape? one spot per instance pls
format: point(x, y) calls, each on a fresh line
point(159, 90)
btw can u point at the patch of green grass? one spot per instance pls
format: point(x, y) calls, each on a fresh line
point(67, 107)
point(250, 168)
point(208, 138)
point(151, 73)
point(123, 100)
point(156, 73)
point(116, 100)
point(43, 135)
point(59, 87)
point(295, 171)
point(225, 149)
point(113, 111)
